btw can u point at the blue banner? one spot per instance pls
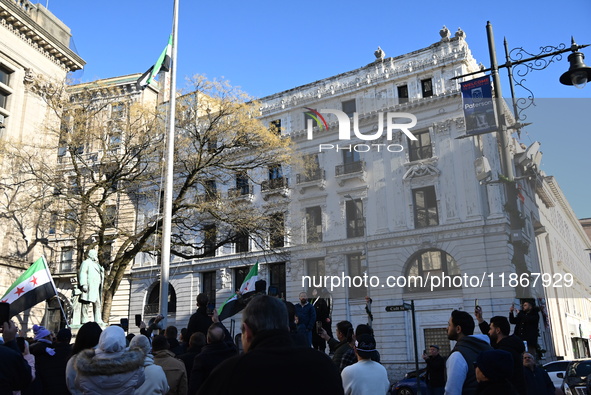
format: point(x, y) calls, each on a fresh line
point(479, 111)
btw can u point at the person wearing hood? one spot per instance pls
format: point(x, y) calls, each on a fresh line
point(155, 378)
point(110, 368)
point(498, 332)
point(461, 377)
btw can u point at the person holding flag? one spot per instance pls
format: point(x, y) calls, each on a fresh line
point(250, 287)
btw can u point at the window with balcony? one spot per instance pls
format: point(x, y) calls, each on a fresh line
point(242, 185)
point(276, 179)
point(357, 268)
point(107, 251)
point(425, 207)
point(402, 94)
point(427, 87)
point(431, 263)
point(313, 224)
point(355, 219)
point(349, 107)
point(312, 170)
point(351, 163)
point(277, 230)
point(421, 147)
point(209, 240)
point(67, 260)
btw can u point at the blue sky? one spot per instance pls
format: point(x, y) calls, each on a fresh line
point(270, 46)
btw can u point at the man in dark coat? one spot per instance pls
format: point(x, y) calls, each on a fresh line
point(493, 369)
point(498, 331)
point(270, 361)
point(526, 323)
point(322, 304)
point(537, 380)
point(435, 371)
point(15, 372)
point(196, 344)
point(306, 317)
point(220, 346)
point(200, 321)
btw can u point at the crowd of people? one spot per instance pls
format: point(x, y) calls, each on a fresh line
point(278, 340)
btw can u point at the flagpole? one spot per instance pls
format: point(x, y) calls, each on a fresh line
point(59, 301)
point(169, 163)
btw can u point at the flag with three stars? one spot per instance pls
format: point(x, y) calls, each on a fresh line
point(32, 287)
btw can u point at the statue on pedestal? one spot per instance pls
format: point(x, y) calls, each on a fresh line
point(89, 290)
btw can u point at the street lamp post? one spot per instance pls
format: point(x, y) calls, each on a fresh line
point(578, 75)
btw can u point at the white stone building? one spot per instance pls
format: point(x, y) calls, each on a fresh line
point(390, 208)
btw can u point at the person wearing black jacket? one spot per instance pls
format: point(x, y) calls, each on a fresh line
point(498, 331)
point(15, 372)
point(526, 323)
point(435, 371)
point(220, 346)
point(271, 364)
point(200, 321)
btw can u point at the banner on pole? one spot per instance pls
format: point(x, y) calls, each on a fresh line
point(479, 111)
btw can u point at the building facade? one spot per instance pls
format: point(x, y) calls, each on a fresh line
point(380, 206)
point(33, 43)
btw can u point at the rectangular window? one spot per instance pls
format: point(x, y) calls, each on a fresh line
point(438, 337)
point(312, 170)
point(277, 281)
point(5, 75)
point(313, 224)
point(402, 94)
point(357, 268)
point(53, 223)
point(425, 207)
point(208, 286)
point(316, 267)
point(3, 99)
point(111, 216)
point(427, 87)
point(421, 147)
point(211, 190)
point(276, 179)
point(277, 230)
point(242, 242)
point(209, 240)
point(71, 222)
point(349, 107)
point(118, 110)
point(74, 187)
point(275, 126)
point(67, 260)
point(355, 219)
point(351, 163)
point(242, 185)
point(308, 118)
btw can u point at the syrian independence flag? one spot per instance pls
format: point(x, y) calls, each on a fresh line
point(32, 287)
point(234, 305)
point(162, 64)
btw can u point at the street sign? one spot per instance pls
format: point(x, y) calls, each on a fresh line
point(396, 308)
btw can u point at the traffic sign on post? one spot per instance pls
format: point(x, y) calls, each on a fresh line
point(397, 308)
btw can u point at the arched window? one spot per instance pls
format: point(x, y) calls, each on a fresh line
point(153, 303)
point(425, 265)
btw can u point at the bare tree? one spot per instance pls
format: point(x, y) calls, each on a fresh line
point(96, 180)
